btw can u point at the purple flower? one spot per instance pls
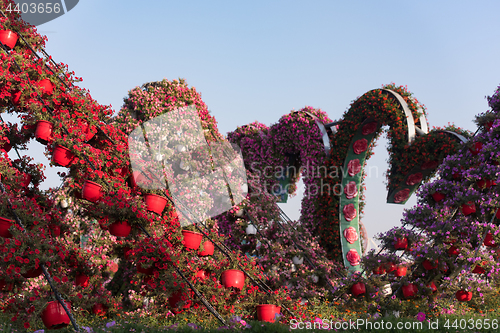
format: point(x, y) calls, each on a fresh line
point(108, 325)
point(420, 316)
point(193, 326)
point(236, 319)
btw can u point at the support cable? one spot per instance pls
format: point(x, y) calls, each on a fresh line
point(44, 269)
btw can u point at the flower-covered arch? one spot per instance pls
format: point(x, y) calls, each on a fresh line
point(332, 170)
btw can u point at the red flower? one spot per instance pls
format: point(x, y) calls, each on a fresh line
point(351, 190)
point(351, 235)
point(369, 128)
point(353, 257)
point(414, 179)
point(360, 146)
point(353, 167)
point(429, 165)
point(349, 212)
point(402, 195)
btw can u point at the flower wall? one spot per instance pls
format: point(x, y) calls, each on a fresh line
point(90, 232)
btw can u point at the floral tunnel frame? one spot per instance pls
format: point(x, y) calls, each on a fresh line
point(353, 178)
point(357, 134)
point(286, 178)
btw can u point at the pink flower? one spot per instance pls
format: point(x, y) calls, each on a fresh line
point(351, 190)
point(353, 167)
point(353, 257)
point(349, 212)
point(414, 179)
point(402, 195)
point(351, 235)
point(369, 128)
point(360, 146)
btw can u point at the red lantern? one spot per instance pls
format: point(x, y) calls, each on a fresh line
point(16, 97)
point(468, 208)
point(4, 227)
point(5, 146)
point(432, 286)
point(401, 243)
point(358, 289)
point(192, 240)
point(82, 280)
point(5, 286)
point(33, 273)
point(8, 38)
point(54, 316)
point(482, 184)
point(489, 241)
point(428, 265)
point(88, 130)
point(126, 255)
point(380, 270)
point(478, 270)
point(438, 196)
point(400, 271)
point(91, 191)
point(178, 297)
point(390, 267)
point(453, 251)
point(26, 179)
point(146, 271)
point(233, 278)
point(463, 296)
point(476, 148)
point(488, 125)
point(120, 229)
point(201, 274)
point(208, 249)
point(99, 309)
point(62, 156)
point(450, 240)
point(155, 203)
point(43, 131)
point(55, 230)
point(123, 171)
point(267, 312)
point(409, 290)
point(46, 87)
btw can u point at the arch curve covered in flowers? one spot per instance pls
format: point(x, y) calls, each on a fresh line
point(333, 173)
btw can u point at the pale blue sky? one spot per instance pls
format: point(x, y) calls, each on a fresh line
point(257, 60)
